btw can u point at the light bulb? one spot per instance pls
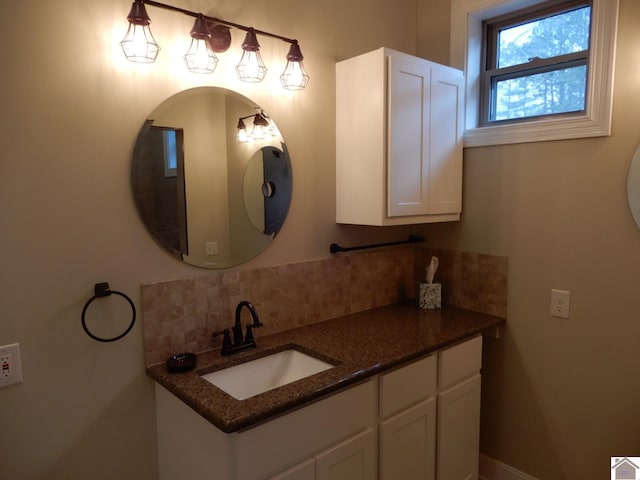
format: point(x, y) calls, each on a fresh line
point(242, 136)
point(138, 44)
point(200, 57)
point(260, 126)
point(251, 67)
point(294, 76)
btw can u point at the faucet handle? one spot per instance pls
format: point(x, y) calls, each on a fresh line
point(226, 341)
point(248, 338)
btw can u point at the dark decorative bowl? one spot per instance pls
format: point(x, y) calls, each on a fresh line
point(181, 362)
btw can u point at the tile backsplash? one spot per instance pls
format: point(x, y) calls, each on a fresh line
point(180, 315)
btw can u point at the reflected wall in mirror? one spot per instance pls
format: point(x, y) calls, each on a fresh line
point(208, 199)
point(633, 187)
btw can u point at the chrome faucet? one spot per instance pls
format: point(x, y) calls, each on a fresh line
point(240, 342)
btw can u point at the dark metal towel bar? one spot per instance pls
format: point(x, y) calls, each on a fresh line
point(335, 248)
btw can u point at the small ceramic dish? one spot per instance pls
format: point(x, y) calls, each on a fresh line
point(181, 362)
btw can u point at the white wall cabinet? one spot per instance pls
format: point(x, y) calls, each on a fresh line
point(418, 422)
point(398, 140)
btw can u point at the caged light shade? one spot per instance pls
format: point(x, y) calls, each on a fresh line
point(251, 67)
point(200, 57)
point(294, 76)
point(210, 35)
point(138, 44)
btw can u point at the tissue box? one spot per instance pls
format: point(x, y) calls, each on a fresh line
point(430, 295)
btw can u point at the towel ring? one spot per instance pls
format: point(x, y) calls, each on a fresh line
point(102, 290)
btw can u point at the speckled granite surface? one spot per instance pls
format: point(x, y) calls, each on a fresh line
point(360, 345)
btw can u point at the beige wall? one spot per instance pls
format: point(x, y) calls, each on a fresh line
point(561, 396)
point(558, 396)
point(71, 110)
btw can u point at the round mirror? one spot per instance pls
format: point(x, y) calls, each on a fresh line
point(211, 193)
point(633, 187)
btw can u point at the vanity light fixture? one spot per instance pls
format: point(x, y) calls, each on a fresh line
point(294, 76)
point(209, 36)
point(261, 127)
point(251, 67)
point(138, 44)
point(200, 57)
point(242, 136)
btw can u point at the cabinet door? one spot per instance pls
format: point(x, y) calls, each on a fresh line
point(408, 141)
point(459, 430)
point(353, 459)
point(445, 146)
point(408, 444)
point(302, 471)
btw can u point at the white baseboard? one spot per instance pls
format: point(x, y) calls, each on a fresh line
point(491, 469)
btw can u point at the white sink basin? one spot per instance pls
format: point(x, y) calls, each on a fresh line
point(266, 373)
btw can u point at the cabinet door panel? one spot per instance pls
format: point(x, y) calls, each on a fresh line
point(445, 147)
point(407, 444)
point(408, 386)
point(459, 362)
point(353, 459)
point(459, 430)
point(408, 145)
point(303, 471)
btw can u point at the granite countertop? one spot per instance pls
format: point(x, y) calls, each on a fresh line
point(360, 345)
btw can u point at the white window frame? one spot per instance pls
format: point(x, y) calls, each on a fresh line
point(466, 53)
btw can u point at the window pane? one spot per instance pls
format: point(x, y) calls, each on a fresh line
point(548, 37)
point(170, 153)
point(547, 93)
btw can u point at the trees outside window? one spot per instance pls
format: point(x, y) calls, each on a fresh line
point(536, 62)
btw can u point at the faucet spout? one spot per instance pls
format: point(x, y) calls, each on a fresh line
point(254, 314)
point(241, 342)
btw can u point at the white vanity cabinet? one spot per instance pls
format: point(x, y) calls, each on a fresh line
point(417, 422)
point(399, 129)
point(430, 416)
point(353, 459)
point(332, 439)
point(458, 427)
point(407, 426)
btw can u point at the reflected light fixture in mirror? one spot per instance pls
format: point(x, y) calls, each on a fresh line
point(261, 128)
point(209, 35)
point(200, 57)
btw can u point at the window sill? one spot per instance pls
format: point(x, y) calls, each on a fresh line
point(562, 128)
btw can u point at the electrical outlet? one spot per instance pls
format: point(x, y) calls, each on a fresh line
point(560, 303)
point(10, 365)
point(211, 248)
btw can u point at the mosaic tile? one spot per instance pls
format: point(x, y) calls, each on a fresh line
point(180, 315)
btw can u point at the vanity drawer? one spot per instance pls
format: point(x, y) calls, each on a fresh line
point(459, 362)
point(407, 385)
